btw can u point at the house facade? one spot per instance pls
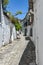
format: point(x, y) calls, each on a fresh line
point(28, 20)
point(38, 30)
point(36, 9)
point(26, 25)
point(5, 32)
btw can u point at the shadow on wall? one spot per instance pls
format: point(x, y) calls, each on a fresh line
point(28, 55)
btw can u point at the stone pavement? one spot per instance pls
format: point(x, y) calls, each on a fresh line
point(12, 53)
point(28, 57)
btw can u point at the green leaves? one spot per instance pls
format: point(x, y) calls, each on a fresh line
point(5, 2)
point(17, 13)
point(15, 22)
point(17, 25)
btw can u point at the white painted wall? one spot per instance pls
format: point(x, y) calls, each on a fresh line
point(1, 35)
point(5, 30)
point(14, 34)
point(38, 30)
point(28, 30)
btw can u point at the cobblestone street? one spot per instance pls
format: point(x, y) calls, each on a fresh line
point(12, 53)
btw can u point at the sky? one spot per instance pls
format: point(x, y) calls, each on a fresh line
point(18, 5)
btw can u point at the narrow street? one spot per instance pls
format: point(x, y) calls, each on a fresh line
point(21, 32)
point(12, 53)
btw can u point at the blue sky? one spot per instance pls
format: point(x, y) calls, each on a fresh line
point(18, 5)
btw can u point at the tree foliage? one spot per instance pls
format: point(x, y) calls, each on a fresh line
point(17, 13)
point(15, 21)
point(17, 25)
point(5, 3)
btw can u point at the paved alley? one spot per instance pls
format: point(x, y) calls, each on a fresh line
point(12, 53)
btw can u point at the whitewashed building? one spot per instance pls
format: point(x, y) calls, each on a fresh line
point(5, 32)
point(38, 30)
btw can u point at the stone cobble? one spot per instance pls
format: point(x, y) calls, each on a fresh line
point(12, 53)
point(28, 57)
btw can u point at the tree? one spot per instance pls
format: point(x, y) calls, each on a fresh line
point(4, 4)
point(15, 22)
point(17, 13)
point(17, 25)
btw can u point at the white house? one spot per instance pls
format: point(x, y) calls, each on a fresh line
point(38, 30)
point(5, 24)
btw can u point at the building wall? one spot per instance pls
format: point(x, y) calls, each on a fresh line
point(5, 30)
point(38, 30)
point(28, 30)
point(0, 10)
point(14, 34)
point(1, 35)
